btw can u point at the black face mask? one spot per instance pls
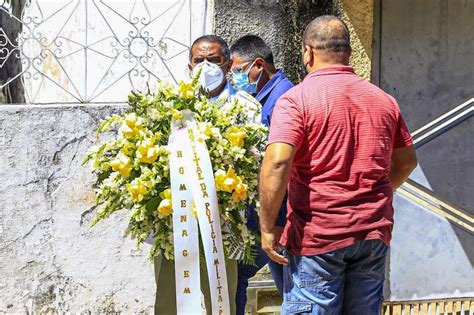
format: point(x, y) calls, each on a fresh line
point(305, 70)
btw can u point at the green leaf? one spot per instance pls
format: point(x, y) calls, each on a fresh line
point(102, 176)
point(152, 204)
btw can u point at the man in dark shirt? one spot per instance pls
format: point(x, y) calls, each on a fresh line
point(254, 72)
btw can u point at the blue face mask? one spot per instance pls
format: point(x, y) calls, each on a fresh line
point(242, 83)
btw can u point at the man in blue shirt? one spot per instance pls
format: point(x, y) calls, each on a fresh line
point(254, 72)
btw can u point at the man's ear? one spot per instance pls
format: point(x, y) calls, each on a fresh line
point(260, 63)
point(309, 50)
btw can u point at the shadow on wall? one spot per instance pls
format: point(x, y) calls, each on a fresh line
point(423, 65)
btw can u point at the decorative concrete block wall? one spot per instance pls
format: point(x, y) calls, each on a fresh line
point(279, 23)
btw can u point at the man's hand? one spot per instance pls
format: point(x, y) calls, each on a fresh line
point(270, 245)
point(274, 177)
point(277, 232)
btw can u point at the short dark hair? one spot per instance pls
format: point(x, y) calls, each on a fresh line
point(251, 47)
point(211, 39)
point(327, 32)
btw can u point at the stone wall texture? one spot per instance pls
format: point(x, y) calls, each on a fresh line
point(50, 259)
point(359, 17)
point(279, 22)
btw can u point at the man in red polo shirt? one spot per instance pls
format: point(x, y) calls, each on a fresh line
point(341, 145)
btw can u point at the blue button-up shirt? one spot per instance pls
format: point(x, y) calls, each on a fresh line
point(268, 96)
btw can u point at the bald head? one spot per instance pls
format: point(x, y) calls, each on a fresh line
point(330, 36)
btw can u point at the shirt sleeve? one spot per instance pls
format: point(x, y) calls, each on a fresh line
point(402, 135)
point(287, 124)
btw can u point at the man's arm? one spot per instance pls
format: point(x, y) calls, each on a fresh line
point(280, 220)
point(274, 177)
point(403, 163)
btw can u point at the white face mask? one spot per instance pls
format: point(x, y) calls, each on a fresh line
point(211, 75)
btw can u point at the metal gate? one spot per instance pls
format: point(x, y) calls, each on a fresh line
point(85, 51)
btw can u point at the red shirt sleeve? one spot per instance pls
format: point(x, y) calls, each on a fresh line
point(287, 121)
point(402, 135)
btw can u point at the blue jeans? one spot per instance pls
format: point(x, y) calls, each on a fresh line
point(346, 281)
point(277, 274)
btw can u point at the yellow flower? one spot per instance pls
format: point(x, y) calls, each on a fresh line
point(226, 181)
point(131, 126)
point(131, 119)
point(147, 151)
point(127, 148)
point(167, 90)
point(219, 178)
point(137, 189)
point(208, 130)
point(236, 136)
point(229, 184)
point(185, 90)
point(166, 194)
point(177, 115)
point(165, 207)
point(105, 166)
point(240, 192)
point(121, 164)
point(232, 183)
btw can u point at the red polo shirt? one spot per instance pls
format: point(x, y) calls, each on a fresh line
point(344, 130)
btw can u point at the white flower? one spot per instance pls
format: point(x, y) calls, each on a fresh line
point(154, 114)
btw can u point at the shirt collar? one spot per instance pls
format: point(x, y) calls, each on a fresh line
point(332, 70)
point(226, 92)
point(277, 77)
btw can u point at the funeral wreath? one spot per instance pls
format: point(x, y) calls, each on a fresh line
point(131, 163)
